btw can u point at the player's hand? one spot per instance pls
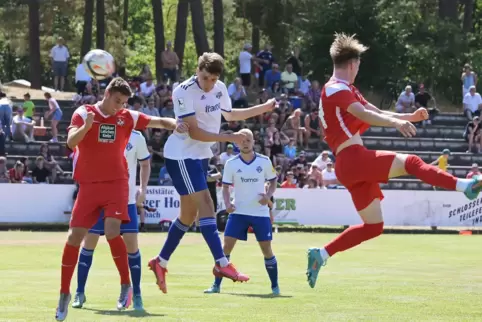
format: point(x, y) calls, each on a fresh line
point(406, 128)
point(419, 115)
point(238, 138)
point(264, 199)
point(230, 209)
point(89, 120)
point(140, 197)
point(182, 127)
point(270, 104)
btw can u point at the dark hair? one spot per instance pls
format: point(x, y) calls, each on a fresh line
point(119, 85)
point(26, 95)
point(345, 48)
point(212, 63)
point(47, 95)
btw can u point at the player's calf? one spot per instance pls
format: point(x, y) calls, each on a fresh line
point(134, 259)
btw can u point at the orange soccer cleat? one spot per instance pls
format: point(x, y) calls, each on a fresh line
point(230, 272)
point(159, 273)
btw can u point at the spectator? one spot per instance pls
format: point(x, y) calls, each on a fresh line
point(472, 103)
point(406, 101)
point(299, 174)
point(266, 61)
point(28, 106)
point(82, 78)
point(164, 177)
point(49, 162)
point(5, 115)
point(4, 176)
point(312, 99)
point(289, 80)
point(272, 75)
point(274, 147)
point(313, 126)
point(290, 150)
point(289, 182)
point(60, 61)
point(237, 93)
point(469, 79)
point(305, 85)
point(155, 146)
point(55, 113)
point(40, 174)
point(472, 134)
point(300, 160)
point(144, 74)
point(292, 127)
point(2, 141)
point(151, 108)
point(137, 104)
point(213, 177)
point(263, 98)
point(170, 64)
point(443, 161)
point(228, 154)
point(163, 94)
point(422, 97)
point(314, 173)
point(16, 173)
point(276, 90)
point(229, 128)
point(312, 184)
point(284, 109)
point(22, 127)
point(329, 177)
point(245, 58)
point(296, 61)
point(168, 109)
point(474, 171)
point(147, 89)
point(322, 160)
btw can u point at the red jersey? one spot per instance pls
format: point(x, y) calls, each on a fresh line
point(100, 157)
point(339, 125)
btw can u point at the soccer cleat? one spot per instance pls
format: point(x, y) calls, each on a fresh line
point(137, 301)
point(275, 291)
point(159, 272)
point(79, 300)
point(125, 297)
point(230, 272)
point(63, 307)
point(474, 188)
point(315, 262)
point(213, 289)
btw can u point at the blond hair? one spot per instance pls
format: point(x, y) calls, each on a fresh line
point(345, 48)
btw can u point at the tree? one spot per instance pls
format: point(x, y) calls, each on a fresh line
point(468, 15)
point(159, 35)
point(87, 30)
point(34, 44)
point(218, 26)
point(100, 17)
point(181, 29)
point(199, 27)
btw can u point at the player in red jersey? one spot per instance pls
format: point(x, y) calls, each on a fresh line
point(99, 134)
point(345, 114)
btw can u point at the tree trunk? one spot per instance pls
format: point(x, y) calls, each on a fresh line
point(448, 9)
point(199, 27)
point(100, 16)
point(468, 15)
point(125, 25)
point(34, 44)
point(181, 29)
point(218, 12)
point(159, 35)
point(87, 32)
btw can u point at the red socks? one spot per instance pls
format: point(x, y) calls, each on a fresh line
point(69, 261)
point(353, 236)
point(119, 254)
point(429, 173)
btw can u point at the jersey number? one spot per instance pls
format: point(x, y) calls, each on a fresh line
point(321, 114)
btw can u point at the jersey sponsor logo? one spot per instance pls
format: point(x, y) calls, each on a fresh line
point(249, 180)
point(259, 169)
point(107, 133)
point(219, 95)
point(213, 108)
point(182, 107)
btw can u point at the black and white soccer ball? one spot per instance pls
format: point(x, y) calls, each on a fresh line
point(99, 64)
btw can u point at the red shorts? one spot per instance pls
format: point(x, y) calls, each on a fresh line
point(112, 197)
point(361, 171)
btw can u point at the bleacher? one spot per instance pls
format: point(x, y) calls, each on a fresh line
point(444, 133)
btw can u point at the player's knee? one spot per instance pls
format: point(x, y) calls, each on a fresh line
point(413, 162)
point(130, 240)
point(111, 229)
point(76, 235)
point(266, 249)
point(205, 205)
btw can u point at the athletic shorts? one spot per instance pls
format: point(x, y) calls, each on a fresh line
point(130, 227)
point(112, 197)
point(188, 175)
point(60, 68)
point(361, 171)
point(57, 115)
point(238, 225)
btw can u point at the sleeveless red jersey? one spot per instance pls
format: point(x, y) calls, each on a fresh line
point(100, 157)
point(339, 125)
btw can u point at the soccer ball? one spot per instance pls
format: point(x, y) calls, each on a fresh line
point(99, 64)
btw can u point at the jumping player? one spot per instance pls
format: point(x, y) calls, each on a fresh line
point(248, 172)
point(99, 134)
point(200, 101)
point(136, 150)
point(345, 114)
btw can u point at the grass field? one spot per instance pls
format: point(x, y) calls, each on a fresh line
point(393, 278)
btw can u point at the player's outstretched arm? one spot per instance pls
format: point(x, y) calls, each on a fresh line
point(162, 123)
point(196, 133)
point(419, 115)
point(246, 113)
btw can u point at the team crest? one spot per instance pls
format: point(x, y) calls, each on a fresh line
point(120, 121)
point(259, 169)
point(219, 95)
point(129, 146)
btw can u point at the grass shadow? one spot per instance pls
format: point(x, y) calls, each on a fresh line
point(131, 313)
point(261, 296)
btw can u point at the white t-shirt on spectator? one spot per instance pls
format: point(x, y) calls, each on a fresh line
point(60, 54)
point(16, 119)
point(232, 89)
point(147, 90)
point(328, 175)
point(472, 102)
point(81, 74)
point(320, 163)
point(225, 157)
point(305, 86)
point(405, 99)
point(245, 62)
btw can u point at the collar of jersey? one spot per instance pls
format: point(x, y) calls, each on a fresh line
point(247, 163)
point(340, 80)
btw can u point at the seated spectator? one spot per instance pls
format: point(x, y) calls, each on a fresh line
point(228, 154)
point(50, 163)
point(147, 89)
point(22, 127)
point(314, 173)
point(237, 93)
point(275, 90)
point(289, 80)
point(151, 109)
point(292, 127)
point(82, 78)
point(168, 109)
point(472, 103)
point(472, 134)
point(329, 177)
point(422, 97)
point(312, 184)
point(28, 106)
point(274, 147)
point(155, 146)
point(474, 171)
point(322, 160)
point(263, 98)
point(26, 172)
point(301, 159)
point(312, 99)
point(313, 126)
point(290, 150)
point(163, 94)
point(283, 109)
point(305, 85)
point(229, 128)
point(164, 177)
point(4, 176)
point(406, 101)
point(271, 76)
point(289, 182)
point(300, 175)
point(40, 174)
point(16, 173)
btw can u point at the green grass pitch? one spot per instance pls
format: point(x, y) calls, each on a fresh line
point(392, 278)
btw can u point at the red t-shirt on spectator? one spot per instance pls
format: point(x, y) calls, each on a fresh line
point(286, 184)
point(99, 157)
point(15, 176)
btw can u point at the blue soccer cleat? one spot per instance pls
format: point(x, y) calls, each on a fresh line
point(315, 262)
point(275, 291)
point(213, 289)
point(473, 192)
point(137, 302)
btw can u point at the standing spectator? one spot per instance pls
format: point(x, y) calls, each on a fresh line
point(28, 106)
point(313, 126)
point(55, 113)
point(329, 176)
point(49, 162)
point(60, 60)
point(170, 64)
point(266, 57)
point(312, 99)
point(5, 115)
point(472, 134)
point(474, 171)
point(155, 146)
point(168, 109)
point(2, 141)
point(289, 182)
point(213, 177)
point(296, 61)
point(245, 58)
point(82, 78)
point(289, 80)
point(22, 127)
point(40, 174)
point(442, 161)
point(406, 101)
point(469, 79)
point(272, 75)
point(237, 93)
point(4, 177)
point(472, 103)
point(228, 154)
point(16, 173)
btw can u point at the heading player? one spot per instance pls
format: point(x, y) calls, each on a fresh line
point(136, 151)
point(248, 172)
point(99, 134)
point(200, 101)
point(345, 114)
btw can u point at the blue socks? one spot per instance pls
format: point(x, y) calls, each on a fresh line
point(272, 269)
point(210, 233)
point(135, 268)
point(218, 280)
point(176, 232)
point(83, 267)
